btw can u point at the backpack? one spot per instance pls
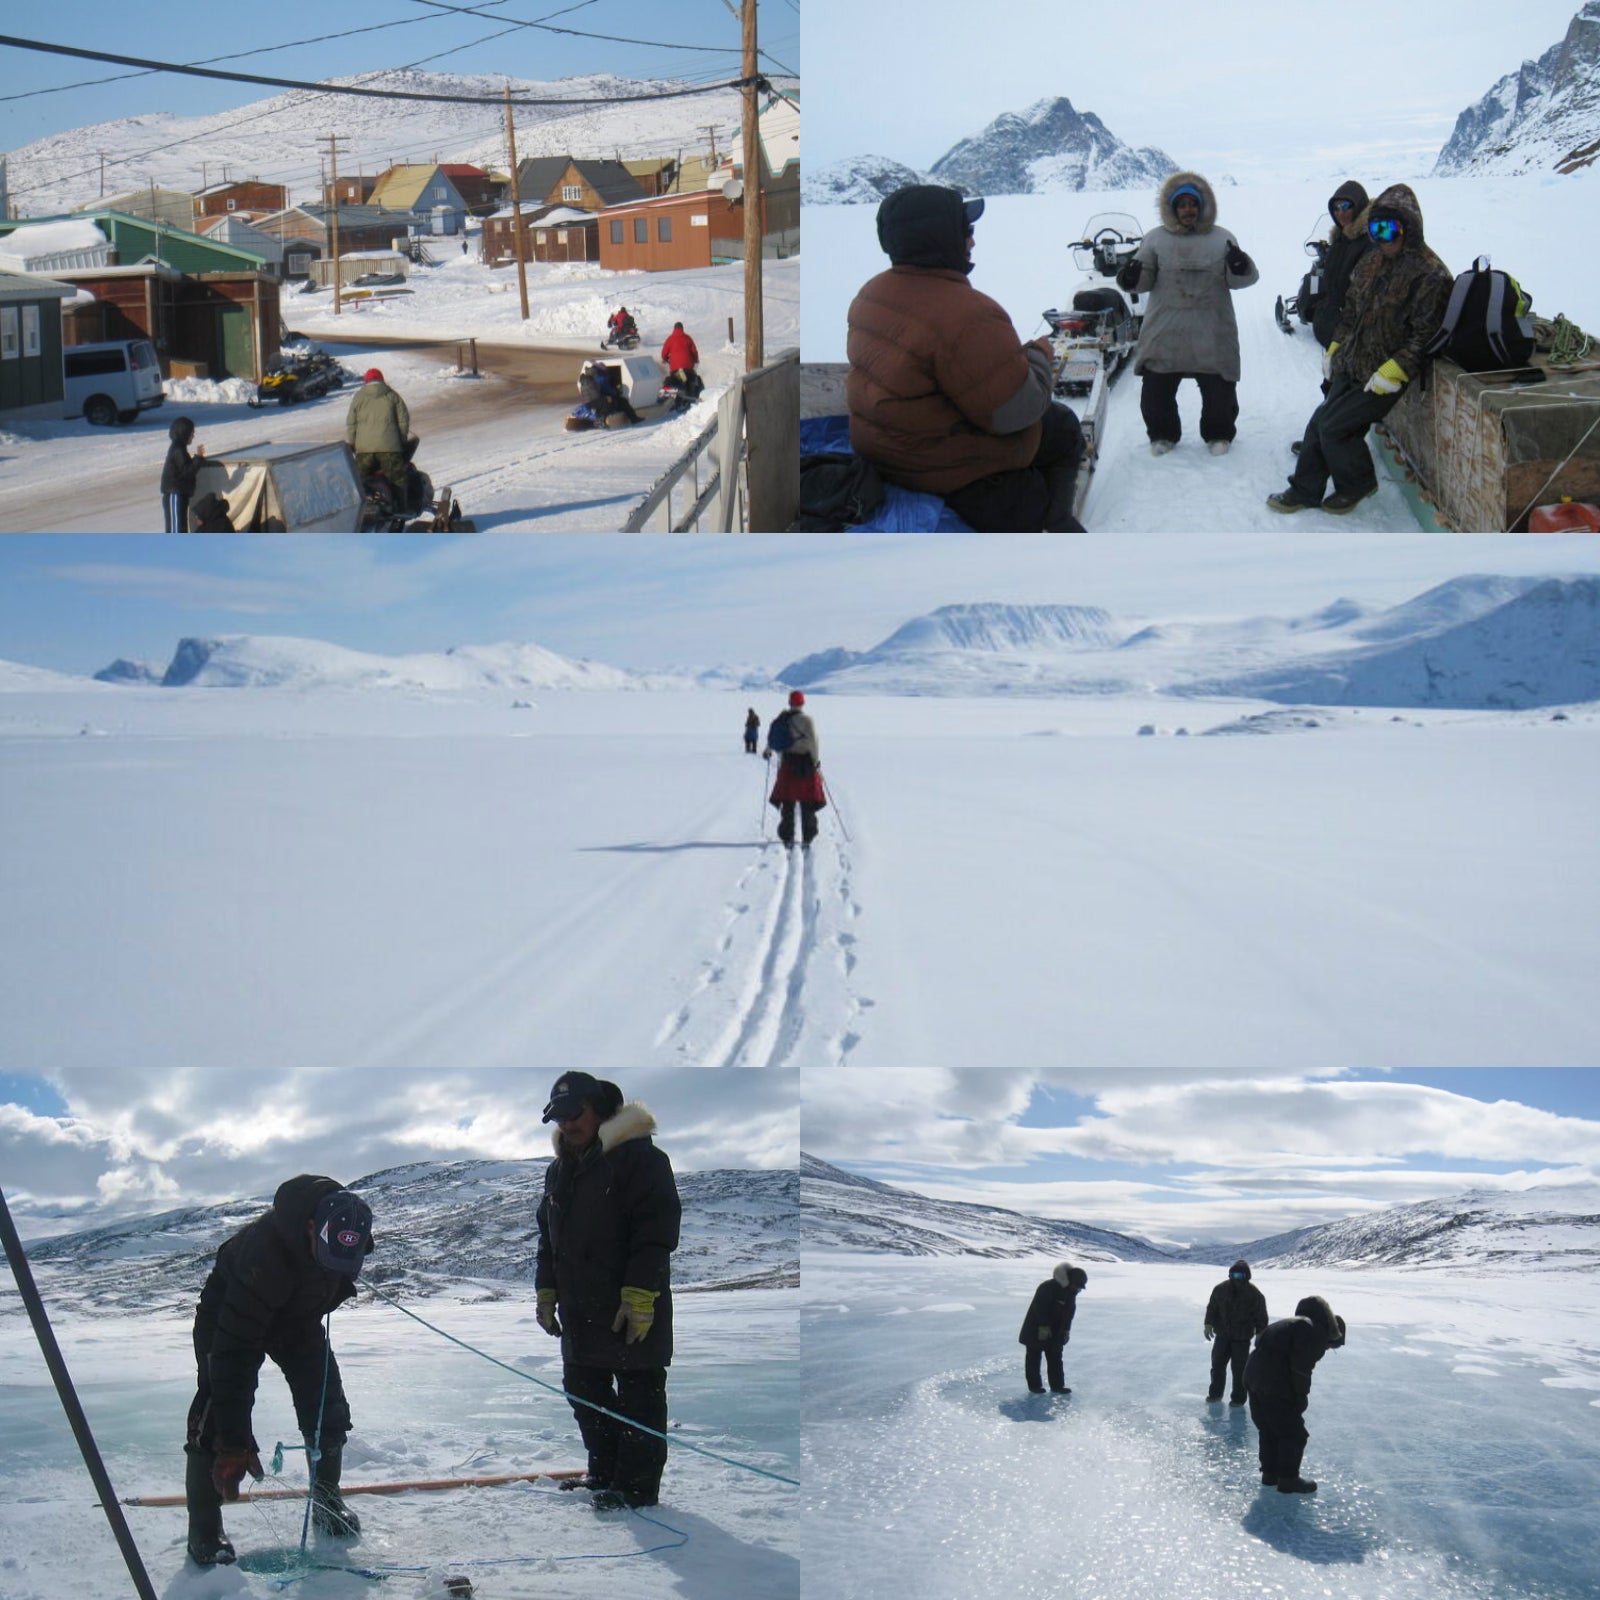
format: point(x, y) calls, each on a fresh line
point(1487, 326)
point(781, 734)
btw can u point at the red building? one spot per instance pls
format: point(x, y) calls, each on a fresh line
point(674, 231)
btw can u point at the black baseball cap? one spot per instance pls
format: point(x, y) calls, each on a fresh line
point(571, 1092)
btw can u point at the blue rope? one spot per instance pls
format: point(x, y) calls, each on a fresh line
point(314, 1454)
point(575, 1399)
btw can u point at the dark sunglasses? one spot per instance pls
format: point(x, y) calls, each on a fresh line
point(1383, 229)
point(1344, 205)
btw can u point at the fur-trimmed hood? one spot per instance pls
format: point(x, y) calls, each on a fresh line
point(1208, 202)
point(1349, 190)
point(634, 1121)
point(1400, 202)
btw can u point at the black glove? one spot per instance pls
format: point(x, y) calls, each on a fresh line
point(1128, 277)
point(1238, 261)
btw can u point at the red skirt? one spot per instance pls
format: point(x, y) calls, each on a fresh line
point(791, 786)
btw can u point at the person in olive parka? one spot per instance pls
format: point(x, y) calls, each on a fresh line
point(1048, 1326)
point(608, 1225)
point(1278, 1376)
point(266, 1296)
point(1235, 1314)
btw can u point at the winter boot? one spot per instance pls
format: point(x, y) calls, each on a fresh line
point(1160, 447)
point(208, 1544)
point(1291, 499)
point(1345, 501)
point(329, 1513)
point(1063, 488)
point(1219, 447)
point(1269, 1480)
point(1295, 1485)
point(1213, 1395)
point(1237, 1399)
point(1059, 1388)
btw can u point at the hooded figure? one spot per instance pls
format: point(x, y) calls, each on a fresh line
point(944, 398)
point(1278, 1376)
point(608, 1225)
point(273, 1283)
point(1048, 1325)
point(1348, 242)
point(792, 737)
point(1393, 306)
point(1235, 1314)
point(1190, 268)
point(178, 474)
point(752, 729)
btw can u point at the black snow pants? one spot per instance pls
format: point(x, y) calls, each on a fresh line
point(808, 820)
point(1280, 1420)
point(1226, 1352)
point(1335, 441)
point(1036, 498)
point(1052, 1361)
point(1158, 405)
point(621, 1457)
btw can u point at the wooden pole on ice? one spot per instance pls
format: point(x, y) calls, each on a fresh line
point(372, 1488)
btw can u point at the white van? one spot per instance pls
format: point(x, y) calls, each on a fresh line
point(111, 382)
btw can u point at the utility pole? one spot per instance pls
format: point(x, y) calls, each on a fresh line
point(711, 133)
point(334, 141)
point(753, 350)
point(518, 233)
point(102, 155)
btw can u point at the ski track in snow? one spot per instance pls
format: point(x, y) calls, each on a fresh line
point(780, 1001)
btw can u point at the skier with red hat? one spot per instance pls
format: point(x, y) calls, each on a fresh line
point(792, 736)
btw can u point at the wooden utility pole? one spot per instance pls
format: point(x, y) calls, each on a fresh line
point(711, 133)
point(753, 349)
point(334, 141)
point(518, 234)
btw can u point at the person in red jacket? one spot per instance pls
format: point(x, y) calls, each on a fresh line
point(680, 357)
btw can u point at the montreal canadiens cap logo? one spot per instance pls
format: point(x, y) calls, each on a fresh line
point(349, 1237)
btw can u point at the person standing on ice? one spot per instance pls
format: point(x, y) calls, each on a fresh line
point(752, 730)
point(273, 1283)
point(1395, 303)
point(944, 398)
point(1278, 1377)
point(793, 738)
point(1235, 1314)
point(608, 1224)
point(1048, 1325)
point(1190, 269)
point(375, 428)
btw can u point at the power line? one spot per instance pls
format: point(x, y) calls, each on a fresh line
point(578, 33)
point(374, 94)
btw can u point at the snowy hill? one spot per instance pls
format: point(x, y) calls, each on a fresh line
point(857, 181)
point(1544, 116)
point(247, 661)
point(1546, 1229)
point(1539, 648)
point(843, 1212)
point(442, 1228)
point(275, 138)
point(1049, 148)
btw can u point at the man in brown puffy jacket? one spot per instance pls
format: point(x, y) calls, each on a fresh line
point(1393, 307)
point(944, 397)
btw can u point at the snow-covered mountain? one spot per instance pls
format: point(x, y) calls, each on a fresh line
point(1048, 148)
point(440, 1227)
point(857, 181)
point(1551, 1228)
point(841, 1211)
point(1543, 117)
point(277, 138)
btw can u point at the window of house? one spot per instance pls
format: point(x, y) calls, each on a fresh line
point(8, 333)
point(641, 230)
point(572, 191)
point(616, 230)
point(439, 192)
point(232, 204)
point(30, 330)
point(663, 230)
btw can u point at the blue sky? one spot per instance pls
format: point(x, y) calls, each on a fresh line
point(188, 31)
point(1252, 88)
point(1180, 1156)
point(76, 602)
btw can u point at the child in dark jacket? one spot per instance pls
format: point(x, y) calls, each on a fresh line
point(178, 475)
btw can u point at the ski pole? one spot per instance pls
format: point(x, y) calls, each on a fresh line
point(837, 814)
point(763, 776)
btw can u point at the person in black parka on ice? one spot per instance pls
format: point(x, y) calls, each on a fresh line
point(752, 730)
point(793, 738)
point(1048, 1326)
point(1278, 1376)
point(273, 1283)
point(608, 1225)
point(1235, 1314)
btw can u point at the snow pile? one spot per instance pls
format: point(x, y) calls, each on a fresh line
point(209, 391)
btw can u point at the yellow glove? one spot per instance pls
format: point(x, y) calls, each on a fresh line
point(1327, 359)
point(1390, 378)
point(635, 1314)
point(547, 1313)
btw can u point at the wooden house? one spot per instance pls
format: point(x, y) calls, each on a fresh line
point(251, 195)
point(671, 232)
point(426, 194)
point(587, 185)
point(31, 381)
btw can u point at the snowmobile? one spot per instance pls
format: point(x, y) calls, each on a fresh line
point(299, 373)
point(411, 506)
point(679, 393)
point(1302, 305)
point(624, 340)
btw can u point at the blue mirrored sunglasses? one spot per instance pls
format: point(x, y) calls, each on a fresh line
point(1344, 205)
point(1383, 229)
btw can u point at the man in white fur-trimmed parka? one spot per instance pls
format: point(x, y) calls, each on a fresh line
point(608, 1225)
